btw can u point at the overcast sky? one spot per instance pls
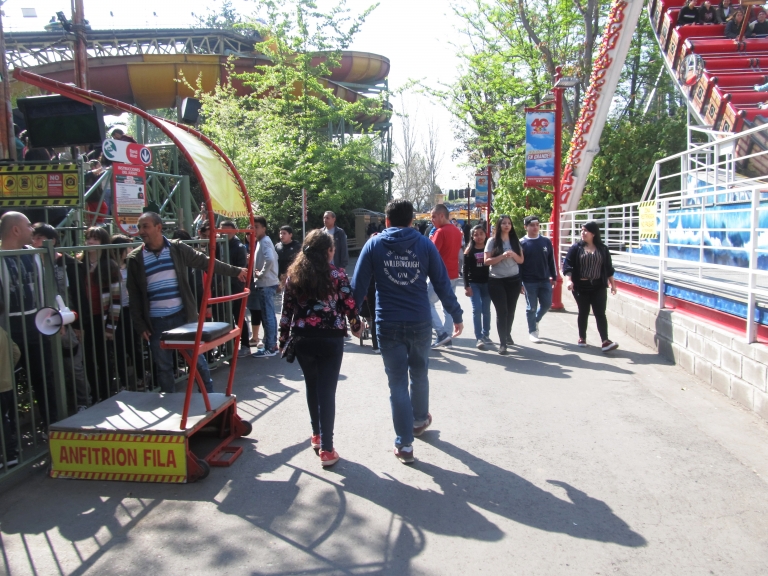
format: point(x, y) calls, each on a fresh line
point(414, 34)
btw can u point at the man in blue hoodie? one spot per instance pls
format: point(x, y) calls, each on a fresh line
point(400, 260)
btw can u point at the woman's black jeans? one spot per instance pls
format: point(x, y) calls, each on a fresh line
point(320, 360)
point(591, 294)
point(504, 294)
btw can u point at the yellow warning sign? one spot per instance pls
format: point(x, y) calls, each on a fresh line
point(39, 182)
point(38, 202)
point(162, 457)
point(647, 213)
point(9, 185)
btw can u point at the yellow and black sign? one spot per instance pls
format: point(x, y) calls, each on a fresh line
point(39, 185)
point(116, 456)
point(35, 202)
point(647, 213)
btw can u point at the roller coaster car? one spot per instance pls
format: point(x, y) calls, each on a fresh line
point(681, 43)
point(670, 21)
point(733, 64)
point(658, 10)
point(702, 91)
point(733, 117)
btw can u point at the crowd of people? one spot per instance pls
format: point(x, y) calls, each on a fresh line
point(125, 295)
point(725, 13)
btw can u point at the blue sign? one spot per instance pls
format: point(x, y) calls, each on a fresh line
point(481, 190)
point(539, 148)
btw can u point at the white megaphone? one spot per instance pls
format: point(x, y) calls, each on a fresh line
point(49, 320)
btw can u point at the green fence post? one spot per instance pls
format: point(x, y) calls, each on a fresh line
point(185, 205)
point(57, 358)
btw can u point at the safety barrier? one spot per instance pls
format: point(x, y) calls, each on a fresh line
point(708, 249)
point(87, 361)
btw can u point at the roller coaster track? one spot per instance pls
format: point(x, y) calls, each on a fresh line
point(31, 49)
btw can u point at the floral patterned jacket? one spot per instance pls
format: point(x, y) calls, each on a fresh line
point(310, 316)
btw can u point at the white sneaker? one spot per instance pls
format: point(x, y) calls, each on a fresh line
point(533, 336)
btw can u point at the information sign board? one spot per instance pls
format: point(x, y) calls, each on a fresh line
point(130, 196)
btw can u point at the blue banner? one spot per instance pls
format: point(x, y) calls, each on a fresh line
point(539, 148)
point(481, 190)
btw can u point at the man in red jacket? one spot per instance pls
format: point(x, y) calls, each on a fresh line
point(447, 239)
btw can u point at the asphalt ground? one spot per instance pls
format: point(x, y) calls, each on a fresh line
point(552, 460)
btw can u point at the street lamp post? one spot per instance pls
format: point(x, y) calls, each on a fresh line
point(561, 83)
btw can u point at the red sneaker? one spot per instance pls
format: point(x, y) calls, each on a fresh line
point(328, 458)
point(419, 430)
point(315, 441)
point(404, 454)
point(608, 345)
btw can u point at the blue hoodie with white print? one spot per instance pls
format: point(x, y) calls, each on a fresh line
point(400, 260)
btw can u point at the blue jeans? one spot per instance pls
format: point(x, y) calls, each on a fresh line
point(444, 326)
point(405, 350)
point(267, 295)
point(164, 358)
point(320, 360)
point(538, 297)
point(481, 309)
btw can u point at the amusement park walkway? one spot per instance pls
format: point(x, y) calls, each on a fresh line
point(554, 460)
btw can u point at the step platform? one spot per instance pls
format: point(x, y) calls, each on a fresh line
point(137, 437)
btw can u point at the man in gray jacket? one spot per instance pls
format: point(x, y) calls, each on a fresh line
point(265, 270)
point(341, 255)
point(160, 295)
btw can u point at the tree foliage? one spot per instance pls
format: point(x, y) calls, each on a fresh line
point(284, 135)
point(509, 63)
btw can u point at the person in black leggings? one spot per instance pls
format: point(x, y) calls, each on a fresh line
point(504, 256)
point(317, 297)
point(588, 272)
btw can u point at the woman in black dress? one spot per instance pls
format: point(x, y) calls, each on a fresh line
point(588, 272)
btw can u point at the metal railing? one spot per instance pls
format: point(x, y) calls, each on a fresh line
point(713, 244)
point(730, 161)
point(94, 358)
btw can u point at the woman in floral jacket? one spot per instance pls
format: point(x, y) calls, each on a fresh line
point(316, 300)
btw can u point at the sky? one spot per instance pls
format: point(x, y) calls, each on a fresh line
point(416, 36)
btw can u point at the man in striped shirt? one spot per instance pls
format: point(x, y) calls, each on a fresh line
point(160, 295)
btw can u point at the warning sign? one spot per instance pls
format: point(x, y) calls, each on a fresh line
point(647, 213)
point(38, 185)
point(146, 458)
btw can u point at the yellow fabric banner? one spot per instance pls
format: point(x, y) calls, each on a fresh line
point(222, 185)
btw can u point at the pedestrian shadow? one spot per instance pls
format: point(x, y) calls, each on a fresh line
point(506, 494)
point(527, 360)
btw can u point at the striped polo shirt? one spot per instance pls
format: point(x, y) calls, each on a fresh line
point(162, 283)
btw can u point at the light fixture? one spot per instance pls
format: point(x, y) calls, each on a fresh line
point(567, 82)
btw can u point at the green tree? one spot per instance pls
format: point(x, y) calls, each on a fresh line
point(227, 18)
point(513, 50)
point(628, 150)
point(293, 131)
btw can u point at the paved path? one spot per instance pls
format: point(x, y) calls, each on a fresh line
point(554, 460)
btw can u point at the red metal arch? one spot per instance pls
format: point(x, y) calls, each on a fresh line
point(189, 352)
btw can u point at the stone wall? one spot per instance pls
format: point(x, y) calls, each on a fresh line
point(720, 358)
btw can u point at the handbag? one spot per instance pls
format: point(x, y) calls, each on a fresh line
point(289, 352)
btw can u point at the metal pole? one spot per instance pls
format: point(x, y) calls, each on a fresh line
point(751, 334)
point(557, 293)
point(81, 55)
point(662, 252)
point(303, 213)
point(488, 208)
point(7, 135)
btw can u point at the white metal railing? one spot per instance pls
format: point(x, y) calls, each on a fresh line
point(715, 243)
point(733, 160)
